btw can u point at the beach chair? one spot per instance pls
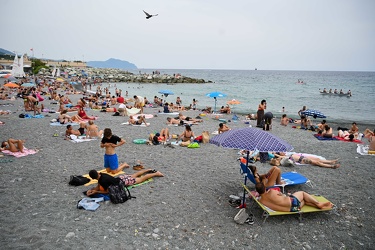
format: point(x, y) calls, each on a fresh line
point(290, 178)
point(267, 212)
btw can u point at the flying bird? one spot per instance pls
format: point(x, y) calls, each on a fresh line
point(148, 16)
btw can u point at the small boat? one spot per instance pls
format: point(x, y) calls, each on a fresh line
point(336, 94)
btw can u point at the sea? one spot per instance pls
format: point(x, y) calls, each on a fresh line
point(279, 88)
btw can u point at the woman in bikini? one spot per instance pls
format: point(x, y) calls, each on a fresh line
point(272, 178)
point(187, 135)
point(83, 115)
point(307, 159)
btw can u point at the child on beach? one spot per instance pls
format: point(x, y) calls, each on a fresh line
point(284, 120)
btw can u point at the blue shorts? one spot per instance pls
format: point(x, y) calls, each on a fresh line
point(111, 161)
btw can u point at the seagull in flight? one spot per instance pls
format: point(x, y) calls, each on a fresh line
point(148, 16)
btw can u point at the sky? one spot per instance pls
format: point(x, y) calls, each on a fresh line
point(327, 35)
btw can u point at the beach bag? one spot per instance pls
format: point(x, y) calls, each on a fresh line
point(194, 145)
point(21, 116)
point(78, 180)
point(205, 137)
point(119, 193)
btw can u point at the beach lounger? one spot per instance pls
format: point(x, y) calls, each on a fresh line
point(290, 178)
point(305, 209)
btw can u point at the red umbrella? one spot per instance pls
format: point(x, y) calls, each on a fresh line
point(11, 85)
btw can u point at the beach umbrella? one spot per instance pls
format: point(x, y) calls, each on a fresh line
point(215, 95)
point(60, 79)
point(28, 84)
point(11, 79)
point(166, 92)
point(11, 85)
point(233, 102)
point(314, 113)
point(7, 76)
point(251, 139)
point(73, 83)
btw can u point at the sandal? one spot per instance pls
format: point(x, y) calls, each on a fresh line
point(153, 171)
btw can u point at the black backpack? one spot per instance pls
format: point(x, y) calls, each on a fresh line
point(119, 193)
point(78, 180)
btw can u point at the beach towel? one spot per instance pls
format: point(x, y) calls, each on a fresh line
point(142, 125)
point(132, 111)
point(93, 181)
point(354, 140)
point(363, 150)
point(172, 113)
point(147, 116)
point(19, 154)
point(321, 138)
point(63, 125)
point(77, 139)
point(27, 116)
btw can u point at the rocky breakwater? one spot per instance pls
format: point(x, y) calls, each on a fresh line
point(164, 78)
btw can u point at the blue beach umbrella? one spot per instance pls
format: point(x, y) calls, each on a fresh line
point(166, 92)
point(73, 83)
point(28, 84)
point(215, 95)
point(314, 113)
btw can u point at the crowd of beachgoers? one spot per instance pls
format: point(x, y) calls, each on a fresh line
point(188, 207)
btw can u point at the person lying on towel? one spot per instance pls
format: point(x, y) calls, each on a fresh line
point(278, 201)
point(105, 180)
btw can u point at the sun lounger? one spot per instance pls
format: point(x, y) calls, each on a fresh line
point(305, 209)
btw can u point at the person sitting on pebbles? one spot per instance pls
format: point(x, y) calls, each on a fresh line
point(223, 128)
point(105, 180)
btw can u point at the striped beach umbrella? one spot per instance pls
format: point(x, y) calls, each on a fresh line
point(251, 139)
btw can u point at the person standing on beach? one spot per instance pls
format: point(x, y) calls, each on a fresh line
point(261, 107)
point(139, 102)
point(110, 142)
point(301, 110)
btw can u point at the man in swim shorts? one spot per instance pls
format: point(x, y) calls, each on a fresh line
point(109, 142)
point(278, 201)
point(105, 180)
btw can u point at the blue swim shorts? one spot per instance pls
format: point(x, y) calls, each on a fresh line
point(111, 161)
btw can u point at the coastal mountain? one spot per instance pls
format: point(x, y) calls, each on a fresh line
point(112, 63)
point(5, 52)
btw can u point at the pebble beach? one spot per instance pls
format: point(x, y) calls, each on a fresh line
point(188, 208)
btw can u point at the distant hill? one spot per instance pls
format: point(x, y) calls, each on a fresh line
point(6, 52)
point(112, 63)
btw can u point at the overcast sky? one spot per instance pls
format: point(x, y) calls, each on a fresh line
point(197, 34)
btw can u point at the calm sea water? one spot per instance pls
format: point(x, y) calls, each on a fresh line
point(279, 88)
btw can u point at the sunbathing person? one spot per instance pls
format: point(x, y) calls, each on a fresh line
point(346, 135)
point(278, 201)
point(188, 119)
point(83, 115)
point(156, 139)
point(63, 118)
point(354, 129)
point(70, 131)
point(140, 119)
point(173, 121)
point(223, 128)
point(306, 159)
point(105, 180)
point(321, 126)
point(93, 130)
point(368, 133)
point(284, 120)
point(272, 178)
point(13, 145)
point(327, 132)
point(225, 110)
point(187, 135)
